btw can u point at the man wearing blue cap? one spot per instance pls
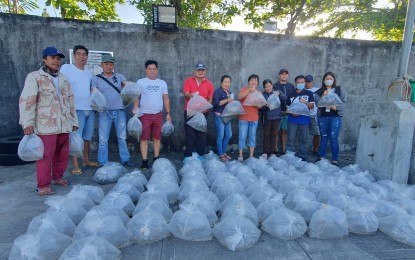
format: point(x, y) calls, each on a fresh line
point(47, 109)
point(314, 129)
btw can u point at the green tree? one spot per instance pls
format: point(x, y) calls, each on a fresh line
point(101, 10)
point(191, 13)
point(18, 6)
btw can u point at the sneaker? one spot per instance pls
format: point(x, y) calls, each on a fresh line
point(264, 155)
point(335, 163)
point(144, 165)
point(155, 158)
point(240, 159)
point(128, 163)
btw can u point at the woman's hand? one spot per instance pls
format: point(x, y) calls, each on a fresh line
point(325, 93)
point(277, 93)
point(333, 108)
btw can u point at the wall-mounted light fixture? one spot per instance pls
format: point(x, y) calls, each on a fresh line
point(164, 18)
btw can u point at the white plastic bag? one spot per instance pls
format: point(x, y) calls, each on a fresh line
point(109, 227)
point(399, 227)
point(109, 173)
point(255, 99)
point(75, 211)
point(285, 224)
point(45, 244)
point(97, 100)
point(119, 200)
point(273, 102)
point(197, 104)
point(147, 226)
point(156, 204)
point(198, 122)
point(298, 108)
point(234, 108)
point(329, 100)
point(108, 210)
point(236, 233)
point(328, 222)
point(30, 148)
point(135, 127)
point(361, 221)
point(93, 247)
point(76, 145)
point(130, 92)
point(52, 220)
point(189, 223)
point(167, 128)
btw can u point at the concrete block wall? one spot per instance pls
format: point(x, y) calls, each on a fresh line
point(364, 68)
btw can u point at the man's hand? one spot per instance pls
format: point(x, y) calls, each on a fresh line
point(333, 108)
point(29, 130)
point(135, 110)
point(74, 128)
point(302, 100)
point(168, 118)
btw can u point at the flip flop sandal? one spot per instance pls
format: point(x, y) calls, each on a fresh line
point(61, 182)
point(92, 164)
point(47, 192)
point(76, 172)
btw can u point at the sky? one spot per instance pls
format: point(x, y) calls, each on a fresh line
point(130, 14)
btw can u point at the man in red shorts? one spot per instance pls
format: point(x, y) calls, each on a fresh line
point(154, 94)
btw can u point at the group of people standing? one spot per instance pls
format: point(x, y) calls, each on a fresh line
point(278, 123)
point(56, 101)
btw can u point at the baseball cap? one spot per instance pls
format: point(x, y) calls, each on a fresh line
point(308, 78)
point(283, 71)
point(107, 58)
point(52, 51)
point(200, 66)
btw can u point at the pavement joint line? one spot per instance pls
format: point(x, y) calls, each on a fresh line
point(303, 249)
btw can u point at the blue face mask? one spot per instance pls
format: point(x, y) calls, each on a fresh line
point(300, 86)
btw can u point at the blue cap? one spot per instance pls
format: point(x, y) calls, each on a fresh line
point(308, 78)
point(200, 66)
point(52, 51)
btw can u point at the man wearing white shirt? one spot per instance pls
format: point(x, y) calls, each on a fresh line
point(314, 129)
point(80, 80)
point(153, 96)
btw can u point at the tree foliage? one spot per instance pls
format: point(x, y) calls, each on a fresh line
point(96, 10)
point(327, 17)
point(191, 13)
point(18, 6)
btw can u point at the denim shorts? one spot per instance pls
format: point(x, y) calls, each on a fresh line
point(86, 121)
point(247, 129)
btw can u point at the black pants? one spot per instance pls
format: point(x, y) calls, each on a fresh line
point(195, 140)
point(271, 128)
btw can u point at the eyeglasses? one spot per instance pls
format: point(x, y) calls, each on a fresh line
point(81, 54)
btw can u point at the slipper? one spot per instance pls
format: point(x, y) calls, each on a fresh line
point(92, 164)
point(227, 156)
point(61, 182)
point(44, 192)
point(76, 172)
point(223, 158)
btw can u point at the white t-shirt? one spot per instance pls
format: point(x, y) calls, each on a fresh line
point(151, 100)
point(80, 81)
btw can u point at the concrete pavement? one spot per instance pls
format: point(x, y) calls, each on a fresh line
point(19, 205)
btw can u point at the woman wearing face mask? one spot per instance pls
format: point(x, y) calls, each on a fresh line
point(248, 123)
point(330, 118)
point(270, 120)
point(222, 97)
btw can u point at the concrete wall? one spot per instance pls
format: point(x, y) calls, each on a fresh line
point(364, 69)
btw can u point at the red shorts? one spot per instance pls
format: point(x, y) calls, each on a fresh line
point(151, 125)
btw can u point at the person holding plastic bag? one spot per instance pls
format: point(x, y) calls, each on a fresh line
point(313, 127)
point(195, 140)
point(47, 108)
point(110, 84)
point(330, 118)
point(80, 80)
point(154, 94)
point(248, 123)
point(221, 98)
point(300, 102)
point(270, 119)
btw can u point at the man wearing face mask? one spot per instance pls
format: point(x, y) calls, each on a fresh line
point(297, 122)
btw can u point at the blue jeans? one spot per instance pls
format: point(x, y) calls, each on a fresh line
point(329, 130)
point(106, 119)
point(223, 134)
point(303, 135)
point(247, 128)
point(86, 120)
